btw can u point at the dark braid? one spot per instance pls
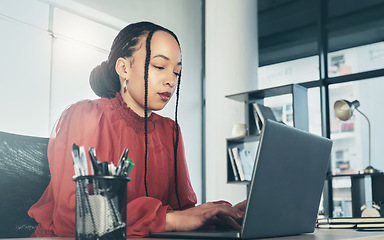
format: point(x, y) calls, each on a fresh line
point(176, 144)
point(175, 147)
point(146, 66)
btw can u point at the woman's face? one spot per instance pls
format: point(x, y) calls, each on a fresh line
point(163, 70)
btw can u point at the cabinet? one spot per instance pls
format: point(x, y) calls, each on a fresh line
point(299, 114)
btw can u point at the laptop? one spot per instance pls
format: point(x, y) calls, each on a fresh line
point(285, 189)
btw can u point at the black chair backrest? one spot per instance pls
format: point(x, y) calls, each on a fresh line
point(24, 175)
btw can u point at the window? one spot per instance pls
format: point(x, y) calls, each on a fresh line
point(354, 51)
point(48, 66)
point(356, 60)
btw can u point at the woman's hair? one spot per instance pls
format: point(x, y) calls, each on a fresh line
point(105, 81)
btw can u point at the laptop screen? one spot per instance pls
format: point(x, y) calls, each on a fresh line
point(287, 182)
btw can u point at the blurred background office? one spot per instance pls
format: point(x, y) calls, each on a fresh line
point(333, 47)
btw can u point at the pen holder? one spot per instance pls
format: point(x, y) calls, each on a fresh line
point(101, 207)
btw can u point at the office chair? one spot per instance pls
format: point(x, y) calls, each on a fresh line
point(24, 175)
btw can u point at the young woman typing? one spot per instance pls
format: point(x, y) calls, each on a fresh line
point(142, 73)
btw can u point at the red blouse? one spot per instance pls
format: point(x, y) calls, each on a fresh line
point(110, 126)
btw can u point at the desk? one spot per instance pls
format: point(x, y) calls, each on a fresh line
point(337, 234)
point(319, 234)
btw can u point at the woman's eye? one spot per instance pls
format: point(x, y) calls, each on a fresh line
point(177, 74)
point(159, 67)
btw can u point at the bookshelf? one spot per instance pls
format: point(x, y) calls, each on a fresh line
point(299, 100)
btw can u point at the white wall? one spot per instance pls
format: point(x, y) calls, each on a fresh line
point(24, 68)
point(231, 67)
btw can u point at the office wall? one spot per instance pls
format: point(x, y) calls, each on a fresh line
point(21, 76)
point(231, 67)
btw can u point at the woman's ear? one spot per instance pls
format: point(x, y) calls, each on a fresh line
point(122, 67)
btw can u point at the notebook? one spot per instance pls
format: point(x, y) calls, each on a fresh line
point(285, 189)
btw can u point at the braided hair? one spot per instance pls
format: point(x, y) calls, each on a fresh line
point(105, 82)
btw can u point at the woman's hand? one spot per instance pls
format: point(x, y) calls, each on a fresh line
point(202, 215)
point(241, 205)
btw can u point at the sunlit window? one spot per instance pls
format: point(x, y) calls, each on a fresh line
point(43, 73)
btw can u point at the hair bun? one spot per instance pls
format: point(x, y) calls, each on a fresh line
point(101, 82)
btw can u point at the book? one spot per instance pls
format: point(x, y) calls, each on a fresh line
point(263, 113)
point(347, 220)
point(236, 156)
point(369, 225)
point(257, 121)
point(336, 226)
point(233, 164)
point(247, 163)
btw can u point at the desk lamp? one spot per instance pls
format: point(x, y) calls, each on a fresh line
point(344, 110)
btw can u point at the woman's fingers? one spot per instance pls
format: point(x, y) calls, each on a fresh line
point(225, 209)
point(229, 221)
point(224, 214)
point(202, 215)
point(241, 205)
point(211, 213)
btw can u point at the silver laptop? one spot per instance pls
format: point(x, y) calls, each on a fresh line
point(286, 186)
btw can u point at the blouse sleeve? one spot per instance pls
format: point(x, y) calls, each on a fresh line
point(86, 125)
point(145, 215)
point(82, 124)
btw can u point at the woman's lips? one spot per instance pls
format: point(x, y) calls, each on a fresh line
point(165, 96)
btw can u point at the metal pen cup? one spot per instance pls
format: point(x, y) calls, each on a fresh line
point(101, 207)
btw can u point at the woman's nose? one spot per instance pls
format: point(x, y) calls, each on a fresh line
point(171, 80)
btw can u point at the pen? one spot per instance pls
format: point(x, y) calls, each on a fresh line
point(79, 160)
point(121, 163)
point(127, 167)
point(124, 155)
point(95, 163)
point(75, 158)
point(103, 166)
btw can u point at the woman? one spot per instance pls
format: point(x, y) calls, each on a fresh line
point(141, 74)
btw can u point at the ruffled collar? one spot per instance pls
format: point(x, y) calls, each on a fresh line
point(131, 118)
